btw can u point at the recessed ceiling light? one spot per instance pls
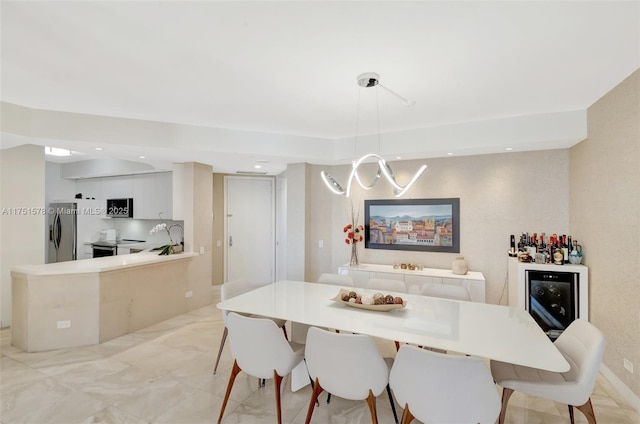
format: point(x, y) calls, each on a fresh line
point(450, 154)
point(141, 157)
point(508, 149)
point(54, 151)
point(98, 148)
point(398, 157)
point(257, 166)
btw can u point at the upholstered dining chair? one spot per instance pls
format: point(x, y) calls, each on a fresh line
point(438, 388)
point(227, 291)
point(275, 358)
point(336, 279)
point(386, 284)
point(445, 291)
point(348, 366)
point(582, 345)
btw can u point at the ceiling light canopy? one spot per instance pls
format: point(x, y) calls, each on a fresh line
point(368, 80)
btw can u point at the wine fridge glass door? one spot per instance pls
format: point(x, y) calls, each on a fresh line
point(552, 300)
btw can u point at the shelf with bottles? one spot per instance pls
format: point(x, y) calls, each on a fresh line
point(553, 249)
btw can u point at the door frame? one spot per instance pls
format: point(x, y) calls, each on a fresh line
point(227, 178)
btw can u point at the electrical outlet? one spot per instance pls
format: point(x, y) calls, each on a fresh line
point(628, 365)
point(188, 294)
point(320, 244)
point(64, 324)
point(202, 250)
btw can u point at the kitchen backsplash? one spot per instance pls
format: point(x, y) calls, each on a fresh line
point(138, 229)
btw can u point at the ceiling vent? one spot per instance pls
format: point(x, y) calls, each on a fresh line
point(252, 172)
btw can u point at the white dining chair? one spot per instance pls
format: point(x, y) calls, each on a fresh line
point(445, 291)
point(336, 279)
point(438, 388)
point(275, 358)
point(582, 345)
point(348, 366)
point(387, 285)
point(229, 290)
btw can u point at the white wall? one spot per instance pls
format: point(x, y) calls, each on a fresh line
point(22, 185)
point(281, 226)
point(298, 201)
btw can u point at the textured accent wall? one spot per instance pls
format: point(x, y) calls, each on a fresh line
point(298, 220)
point(217, 263)
point(198, 230)
point(500, 194)
point(605, 218)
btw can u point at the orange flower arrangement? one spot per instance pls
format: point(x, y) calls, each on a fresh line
point(354, 233)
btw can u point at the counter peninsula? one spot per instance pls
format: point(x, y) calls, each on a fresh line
point(90, 301)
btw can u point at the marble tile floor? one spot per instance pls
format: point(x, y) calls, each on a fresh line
point(163, 374)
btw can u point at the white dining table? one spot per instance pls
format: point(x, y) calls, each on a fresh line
point(496, 332)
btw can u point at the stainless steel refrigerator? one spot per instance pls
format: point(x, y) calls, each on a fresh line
point(63, 224)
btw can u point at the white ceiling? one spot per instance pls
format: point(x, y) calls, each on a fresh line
point(291, 67)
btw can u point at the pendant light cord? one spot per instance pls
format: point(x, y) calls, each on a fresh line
point(355, 144)
point(378, 121)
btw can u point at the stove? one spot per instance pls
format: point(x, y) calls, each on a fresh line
point(110, 248)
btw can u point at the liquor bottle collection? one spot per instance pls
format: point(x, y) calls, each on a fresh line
point(539, 248)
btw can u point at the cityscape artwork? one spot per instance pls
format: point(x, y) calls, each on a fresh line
point(415, 224)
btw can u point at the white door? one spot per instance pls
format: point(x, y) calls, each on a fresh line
point(249, 229)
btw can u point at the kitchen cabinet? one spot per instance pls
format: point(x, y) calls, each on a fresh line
point(164, 194)
point(144, 192)
point(152, 195)
point(91, 187)
point(117, 188)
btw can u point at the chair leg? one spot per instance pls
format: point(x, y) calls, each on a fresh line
point(397, 346)
point(393, 405)
point(277, 380)
point(224, 339)
point(234, 373)
point(371, 402)
point(407, 417)
point(284, 330)
point(571, 414)
point(587, 410)
point(317, 389)
point(328, 398)
point(506, 394)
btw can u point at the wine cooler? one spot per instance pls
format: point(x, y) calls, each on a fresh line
point(552, 299)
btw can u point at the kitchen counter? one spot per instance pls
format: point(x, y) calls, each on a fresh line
point(106, 263)
point(90, 301)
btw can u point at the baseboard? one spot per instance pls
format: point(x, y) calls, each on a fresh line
point(622, 388)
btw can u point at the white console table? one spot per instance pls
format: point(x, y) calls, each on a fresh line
point(414, 279)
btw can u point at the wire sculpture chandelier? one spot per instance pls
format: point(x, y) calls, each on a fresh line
point(367, 80)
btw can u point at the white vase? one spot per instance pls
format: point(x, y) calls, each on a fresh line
point(459, 266)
